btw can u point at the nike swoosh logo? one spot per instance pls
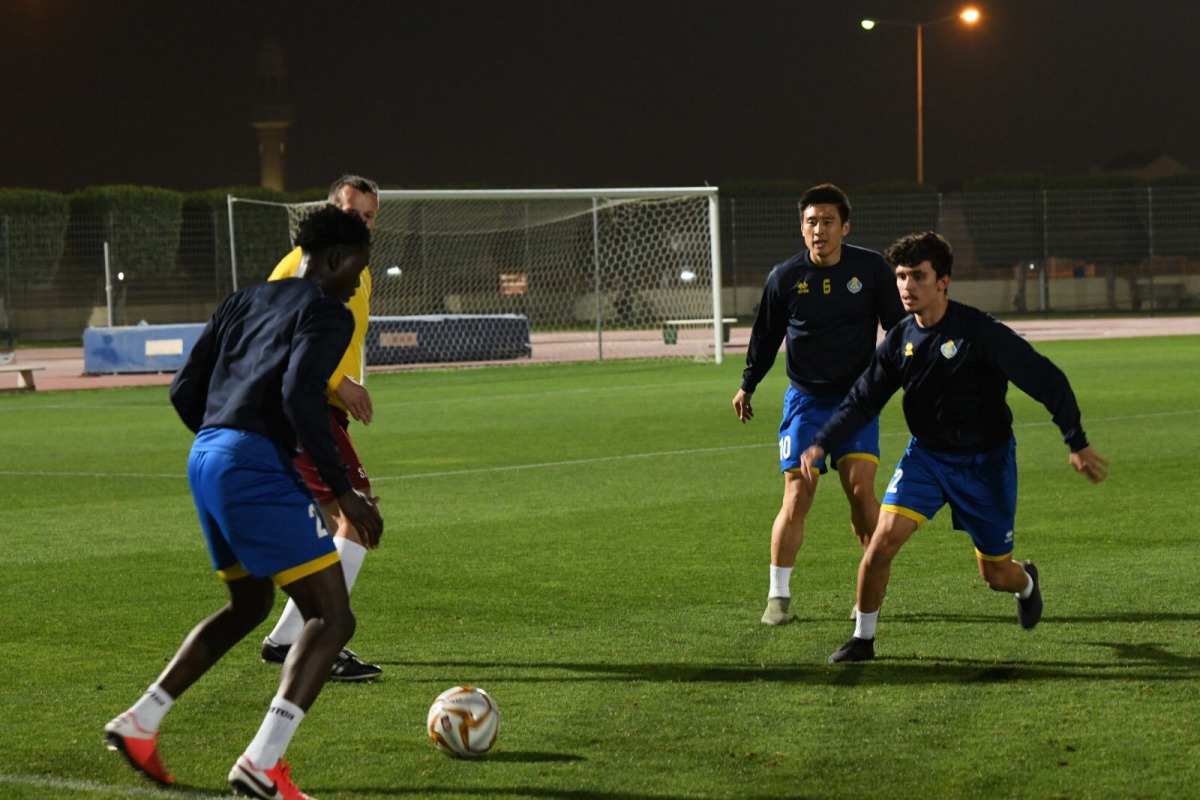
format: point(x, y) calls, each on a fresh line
point(265, 789)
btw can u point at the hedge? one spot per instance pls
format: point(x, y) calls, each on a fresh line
point(140, 223)
point(33, 230)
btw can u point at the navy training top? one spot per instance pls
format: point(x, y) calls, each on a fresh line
point(830, 317)
point(955, 376)
point(261, 364)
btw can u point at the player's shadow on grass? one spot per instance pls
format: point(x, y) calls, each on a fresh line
point(1085, 619)
point(520, 791)
point(531, 757)
point(1147, 662)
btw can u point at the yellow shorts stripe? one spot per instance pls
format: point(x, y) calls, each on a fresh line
point(920, 519)
point(234, 573)
point(982, 557)
point(863, 456)
point(305, 569)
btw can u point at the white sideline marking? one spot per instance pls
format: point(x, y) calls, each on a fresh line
point(573, 462)
point(566, 463)
point(69, 784)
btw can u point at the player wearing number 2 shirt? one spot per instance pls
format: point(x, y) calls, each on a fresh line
point(252, 390)
point(828, 303)
point(954, 363)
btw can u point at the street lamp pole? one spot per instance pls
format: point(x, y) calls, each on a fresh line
point(920, 110)
point(967, 15)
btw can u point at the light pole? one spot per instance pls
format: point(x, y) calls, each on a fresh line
point(968, 15)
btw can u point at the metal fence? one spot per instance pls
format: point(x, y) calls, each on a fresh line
point(1134, 250)
point(1130, 250)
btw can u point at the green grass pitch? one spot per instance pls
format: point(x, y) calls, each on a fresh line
point(589, 544)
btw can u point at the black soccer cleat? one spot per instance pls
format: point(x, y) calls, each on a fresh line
point(274, 653)
point(349, 667)
point(854, 650)
point(1029, 611)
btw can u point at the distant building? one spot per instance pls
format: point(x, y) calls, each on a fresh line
point(272, 114)
point(1147, 164)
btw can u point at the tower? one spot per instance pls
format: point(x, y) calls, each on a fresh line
point(272, 114)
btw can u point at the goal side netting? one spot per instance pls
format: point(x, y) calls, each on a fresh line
point(583, 274)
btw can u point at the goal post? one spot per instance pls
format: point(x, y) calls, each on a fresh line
point(609, 265)
point(595, 273)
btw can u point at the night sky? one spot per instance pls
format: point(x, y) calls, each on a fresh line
point(563, 93)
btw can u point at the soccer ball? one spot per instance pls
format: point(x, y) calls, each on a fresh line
point(463, 722)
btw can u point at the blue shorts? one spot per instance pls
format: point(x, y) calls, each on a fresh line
point(981, 490)
point(257, 515)
point(803, 418)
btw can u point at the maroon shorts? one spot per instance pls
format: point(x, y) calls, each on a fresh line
point(358, 475)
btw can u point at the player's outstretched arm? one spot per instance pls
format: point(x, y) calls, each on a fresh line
point(357, 399)
point(363, 513)
point(742, 407)
point(1093, 465)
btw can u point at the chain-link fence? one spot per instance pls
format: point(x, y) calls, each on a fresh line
point(1134, 249)
point(1130, 250)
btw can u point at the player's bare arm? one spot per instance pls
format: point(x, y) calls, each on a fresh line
point(1093, 465)
point(742, 407)
point(357, 399)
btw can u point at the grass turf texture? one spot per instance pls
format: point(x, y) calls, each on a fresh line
point(589, 543)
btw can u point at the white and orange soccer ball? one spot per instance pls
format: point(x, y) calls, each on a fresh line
point(463, 722)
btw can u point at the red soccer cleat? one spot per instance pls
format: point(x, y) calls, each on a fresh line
point(269, 784)
point(140, 747)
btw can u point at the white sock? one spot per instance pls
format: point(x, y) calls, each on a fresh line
point(152, 707)
point(352, 554)
point(291, 621)
point(1028, 590)
point(864, 625)
point(272, 739)
point(781, 580)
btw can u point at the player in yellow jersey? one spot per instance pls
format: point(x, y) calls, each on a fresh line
point(347, 397)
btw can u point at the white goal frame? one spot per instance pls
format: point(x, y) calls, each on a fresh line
point(597, 196)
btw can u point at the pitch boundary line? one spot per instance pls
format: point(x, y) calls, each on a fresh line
point(551, 464)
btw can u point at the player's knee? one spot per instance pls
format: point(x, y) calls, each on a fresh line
point(341, 622)
point(253, 604)
point(878, 556)
point(265, 606)
point(798, 497)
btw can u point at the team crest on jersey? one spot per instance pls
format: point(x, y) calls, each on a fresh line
point(949, 350)
point(802, 288)
point(855, 286)
point(908, 351)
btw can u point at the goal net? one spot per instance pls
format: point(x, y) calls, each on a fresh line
point(577, 274)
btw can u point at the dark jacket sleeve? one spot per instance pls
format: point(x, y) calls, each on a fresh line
point(770, 327)
point(189, 388)
point(870, 393)
point(1038, 377)
point(321, 337)
point(888, 307)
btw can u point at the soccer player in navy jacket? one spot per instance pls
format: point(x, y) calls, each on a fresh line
point(954, 363)
point(252, 390)
point(828, 302)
